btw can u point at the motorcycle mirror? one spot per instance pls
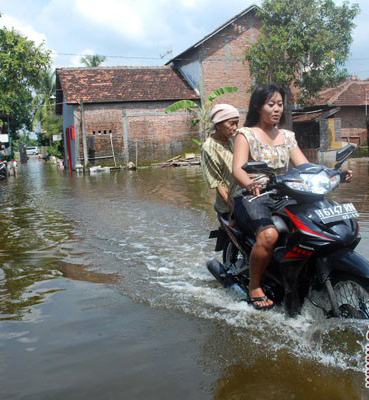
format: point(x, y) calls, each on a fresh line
point(254, 166)
point(343, 154)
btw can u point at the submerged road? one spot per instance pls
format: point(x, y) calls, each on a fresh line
point(104, 294)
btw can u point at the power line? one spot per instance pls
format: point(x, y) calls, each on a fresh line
point(154, 58)
point(129, 57)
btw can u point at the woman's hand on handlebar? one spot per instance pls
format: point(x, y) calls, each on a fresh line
point(254, 188)
point(346, 175)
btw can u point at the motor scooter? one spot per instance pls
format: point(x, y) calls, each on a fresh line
point(315, 250)
point(4, 173)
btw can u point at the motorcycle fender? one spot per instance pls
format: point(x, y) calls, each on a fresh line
point(221, 236)
point(348, 261)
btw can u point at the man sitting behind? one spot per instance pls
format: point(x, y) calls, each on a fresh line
point(217, 156)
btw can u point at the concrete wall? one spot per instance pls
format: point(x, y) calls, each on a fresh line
point(330, 134)
point(68, 120)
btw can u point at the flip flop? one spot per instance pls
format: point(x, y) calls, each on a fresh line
point(254, 300)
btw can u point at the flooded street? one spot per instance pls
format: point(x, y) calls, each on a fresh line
point(104, 294)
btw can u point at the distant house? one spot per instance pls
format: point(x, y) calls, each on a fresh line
point(352, 97)
point(339, 114)
point(129, 102)
point(122, 110)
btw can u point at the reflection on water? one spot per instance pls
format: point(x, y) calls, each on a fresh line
point(144, 234)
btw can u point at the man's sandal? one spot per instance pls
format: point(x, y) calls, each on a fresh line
point(254, 300)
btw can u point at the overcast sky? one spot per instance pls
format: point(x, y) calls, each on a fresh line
point(140, 32)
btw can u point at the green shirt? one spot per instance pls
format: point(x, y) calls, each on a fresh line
point(216, 166)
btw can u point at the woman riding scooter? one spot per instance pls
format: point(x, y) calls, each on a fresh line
point(262, 140)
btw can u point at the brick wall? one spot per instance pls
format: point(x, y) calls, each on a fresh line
point(224, 62)
point(141, 129)
point(353, 124)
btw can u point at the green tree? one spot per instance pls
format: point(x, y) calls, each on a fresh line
point(200, 113)
point(52, 125)
point(21, 66)
point(93, 60)
point(43, 101)
point(302, 43)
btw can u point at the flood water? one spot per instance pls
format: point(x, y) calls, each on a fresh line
point(104, 294)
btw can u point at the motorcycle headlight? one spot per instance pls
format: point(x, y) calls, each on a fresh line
point(335, 181)
point(315, 183)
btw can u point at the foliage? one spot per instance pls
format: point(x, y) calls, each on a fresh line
point(200, 113)
point(21, 65)
point(43, 102)
point(44, 106)
point(55, 150)
point(24, 140)
point(302, 43)
point(93, 60)
point(52, 125)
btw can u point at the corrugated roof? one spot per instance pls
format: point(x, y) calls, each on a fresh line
point(352, 92)
point(307, 116)
point(122, 84)
point(315, 116)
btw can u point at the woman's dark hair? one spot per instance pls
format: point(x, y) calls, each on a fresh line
point(258, 98)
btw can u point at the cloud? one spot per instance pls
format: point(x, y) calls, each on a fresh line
point(24, 29)
point(135, 28)
point(126, 18)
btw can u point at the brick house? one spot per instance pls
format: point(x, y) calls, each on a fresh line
point(339, 114)
point(219, 60)
point(352, 97)
point(129, 102)
point(123, 112)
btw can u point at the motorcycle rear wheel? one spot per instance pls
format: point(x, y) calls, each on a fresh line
point(230, 254)
point(352, 294)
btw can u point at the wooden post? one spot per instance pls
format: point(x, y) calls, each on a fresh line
point(112, 148)
point(84, 143)
point(136, 154)
point(367, 119)
point(125, 137)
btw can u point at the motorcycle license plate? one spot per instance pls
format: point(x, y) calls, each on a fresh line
point(337, 213)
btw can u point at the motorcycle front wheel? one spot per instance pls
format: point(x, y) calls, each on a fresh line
point(352, 295)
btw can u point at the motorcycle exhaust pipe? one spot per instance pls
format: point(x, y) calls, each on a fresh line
point(227, 280)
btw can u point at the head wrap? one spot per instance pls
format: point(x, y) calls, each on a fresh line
point(222, 112)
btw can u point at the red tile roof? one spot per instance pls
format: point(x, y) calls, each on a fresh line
point(121, 84)
point(352, 92)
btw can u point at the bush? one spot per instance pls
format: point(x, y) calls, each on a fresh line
point(55, 150)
